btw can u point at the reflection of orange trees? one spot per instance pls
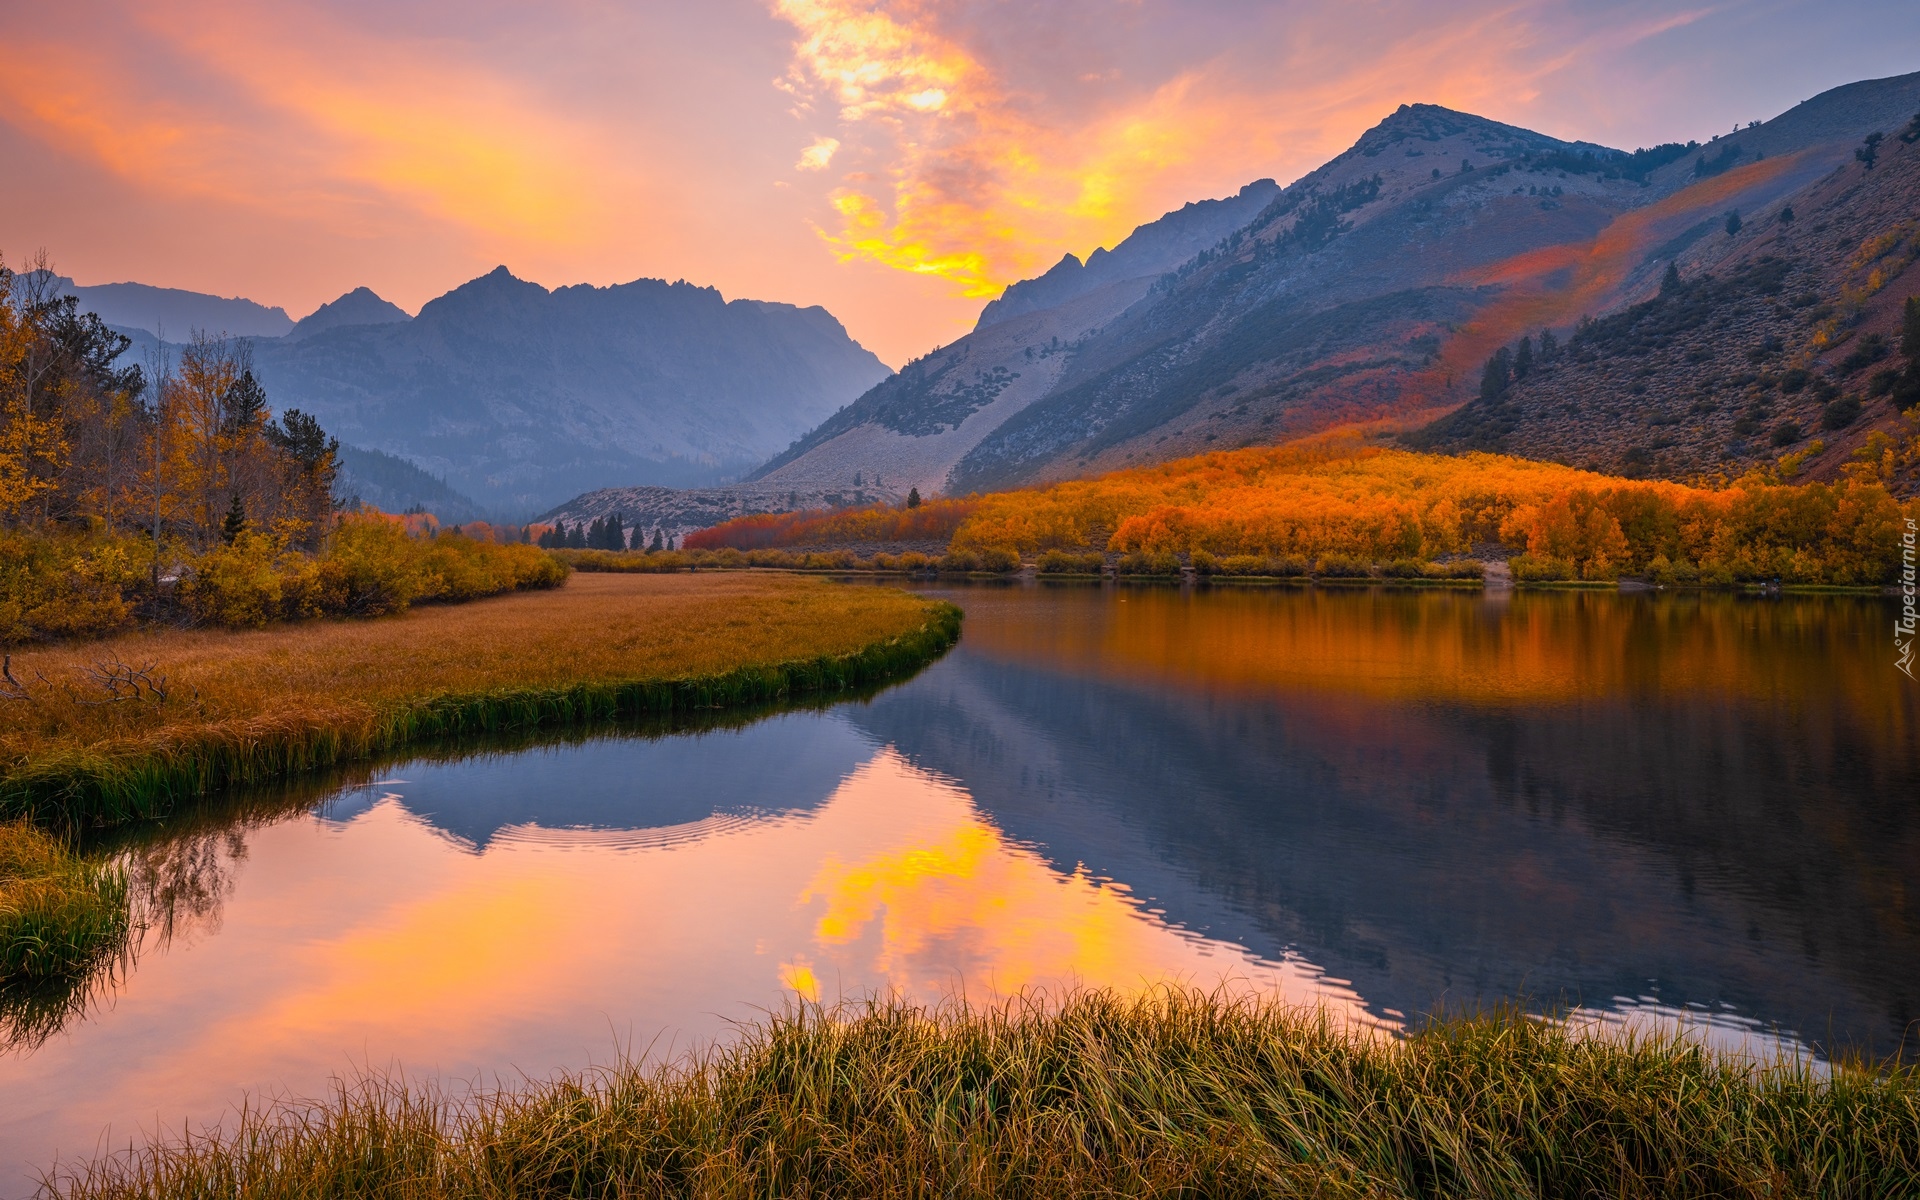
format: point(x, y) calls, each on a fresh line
point(934, 520)
point(1336, 496)
point(1536, 648)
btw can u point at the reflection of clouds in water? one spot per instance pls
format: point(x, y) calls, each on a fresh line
point(954, 907)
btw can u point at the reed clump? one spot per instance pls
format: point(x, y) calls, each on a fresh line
point(1172, 1093)
point(106, 732)
point(61, 914)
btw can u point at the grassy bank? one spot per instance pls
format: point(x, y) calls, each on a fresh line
point(60, 914)
point(207, 709)
point(1175, 1094)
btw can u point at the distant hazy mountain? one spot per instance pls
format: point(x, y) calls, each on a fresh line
point(396, 485)
point(178, 313)
point(519, 397)
point(1373, 288)
point(361, 306)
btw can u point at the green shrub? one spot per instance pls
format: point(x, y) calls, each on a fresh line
point(1242, 564)
point(1528, 569)
point(1841, 413)
point(1142, 562)
point(1404, 568)
point(1465, 568)
point(1003, 560)
point(1065, 562)
point(959, 562)
point(1341, 566)
point(1669, 574)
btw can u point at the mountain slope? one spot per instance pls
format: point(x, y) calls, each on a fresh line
point(1373, 288)
point(1152, 249)
point(176, 312)
point(520, 397)
point(1779, 332)
point(914, 427)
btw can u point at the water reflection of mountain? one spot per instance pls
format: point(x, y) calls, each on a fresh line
point(1439, 853)
point(785, 764)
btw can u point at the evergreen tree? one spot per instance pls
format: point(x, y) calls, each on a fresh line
point(577, 539)
point(301, 437)
point(1869, 151)
point(616, 534)
point(1733, 223)
point(244, 406)
point(913, 497)
point(672, 543)
point(1549, 346)
point(1497, 376)
point(659, 541)
point(236, 522)
point(1670, 282)
point(1786, 215)
point(1523, 358)
point(1906, 389)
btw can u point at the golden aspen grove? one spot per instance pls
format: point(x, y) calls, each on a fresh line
point(173, 492)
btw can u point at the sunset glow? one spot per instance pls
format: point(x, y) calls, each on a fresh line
point(899, 162)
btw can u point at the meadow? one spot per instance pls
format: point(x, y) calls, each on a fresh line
point(128, 727)
point(1171, 1093)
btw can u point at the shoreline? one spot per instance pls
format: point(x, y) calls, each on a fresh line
point(116, 780)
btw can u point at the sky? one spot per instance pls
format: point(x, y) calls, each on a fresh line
point(898, 161)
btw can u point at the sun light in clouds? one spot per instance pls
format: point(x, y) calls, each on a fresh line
point(949, 176)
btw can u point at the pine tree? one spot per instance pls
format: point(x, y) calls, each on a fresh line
point(1786, 215)
point(1869, 151)
point(244, 406)
point(1523, 359)
point(1670, 282)
point(659, 541)
point(236, 522)
point(616, 534)
point(913, 497)
point(1549, 346)
point(1497, 376)
point(1733, 223)
point(1906, 389)
point(577, 539)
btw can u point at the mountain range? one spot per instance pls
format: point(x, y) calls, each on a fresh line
point(503, 397)
point(1714, 304)
point(1373, 290)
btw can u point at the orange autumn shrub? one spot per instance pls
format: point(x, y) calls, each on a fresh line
point(932, 521)
point(1340, 499)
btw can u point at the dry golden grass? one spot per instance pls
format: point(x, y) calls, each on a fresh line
point(243, 706)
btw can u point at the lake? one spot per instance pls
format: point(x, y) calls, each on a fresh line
point(1637, 807)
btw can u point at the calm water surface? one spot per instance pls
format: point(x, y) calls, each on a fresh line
point(1387, 803)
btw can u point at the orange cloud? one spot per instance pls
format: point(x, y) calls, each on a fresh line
point(955, 171)
point(297, 111)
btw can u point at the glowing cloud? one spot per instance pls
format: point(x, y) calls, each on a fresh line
point(817, 156)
